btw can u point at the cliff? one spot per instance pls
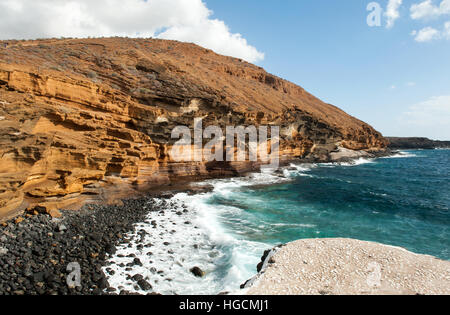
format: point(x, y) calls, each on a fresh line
point(397, 143)
point(90, 120)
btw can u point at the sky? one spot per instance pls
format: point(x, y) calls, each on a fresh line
point(390, 69)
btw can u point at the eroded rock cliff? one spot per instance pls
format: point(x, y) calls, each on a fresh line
point(91, 119)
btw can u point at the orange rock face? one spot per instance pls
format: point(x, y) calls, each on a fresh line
point(85, 120)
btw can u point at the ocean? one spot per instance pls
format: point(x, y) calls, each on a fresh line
point(401, 200)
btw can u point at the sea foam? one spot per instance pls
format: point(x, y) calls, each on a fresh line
point(195, 238)
point(401, 154)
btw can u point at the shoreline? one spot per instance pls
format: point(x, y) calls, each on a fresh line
point(115, 193)
point(133, 211)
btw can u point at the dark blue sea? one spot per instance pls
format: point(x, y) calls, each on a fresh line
point(402, 201)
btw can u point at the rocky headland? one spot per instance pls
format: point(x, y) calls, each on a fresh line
point(397, 143)
point(348, 267)
point(89, 120)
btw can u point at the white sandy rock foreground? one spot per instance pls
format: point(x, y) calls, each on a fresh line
point(350, 267)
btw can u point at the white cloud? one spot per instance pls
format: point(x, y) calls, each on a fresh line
point(429, 118)
point(410, 84)
point(216, 35)
point(392, 12)
point(446, 32)
point(426, 34)
point(185, 20)
point(427, 9)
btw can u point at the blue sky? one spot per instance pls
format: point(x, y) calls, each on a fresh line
point(380, 75)
point(395, 78)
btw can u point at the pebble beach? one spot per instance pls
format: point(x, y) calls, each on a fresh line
point(35, 253)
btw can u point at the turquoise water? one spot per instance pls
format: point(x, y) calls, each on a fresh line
point(402, 201)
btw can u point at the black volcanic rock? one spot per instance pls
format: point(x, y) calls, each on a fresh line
point(196, 271)
point(34, 258)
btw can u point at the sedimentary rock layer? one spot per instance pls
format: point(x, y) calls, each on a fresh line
point(91, 119)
